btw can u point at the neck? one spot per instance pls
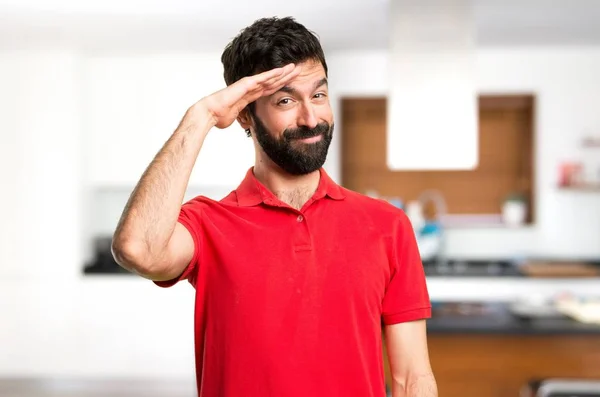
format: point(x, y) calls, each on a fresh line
point(294, 190)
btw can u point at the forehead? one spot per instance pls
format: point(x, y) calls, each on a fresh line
point(310, 72)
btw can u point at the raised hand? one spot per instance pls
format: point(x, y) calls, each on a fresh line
point(225, 105)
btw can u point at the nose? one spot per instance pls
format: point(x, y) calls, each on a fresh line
point(307, 116)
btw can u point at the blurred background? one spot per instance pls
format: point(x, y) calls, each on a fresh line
point(479, 118)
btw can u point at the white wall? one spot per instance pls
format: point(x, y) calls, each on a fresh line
point(41, 176)
point(57, 322)
point(133, 104)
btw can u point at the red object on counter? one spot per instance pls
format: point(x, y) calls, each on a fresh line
point(570, 174)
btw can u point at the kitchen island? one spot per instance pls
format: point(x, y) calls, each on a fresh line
point(484, 350)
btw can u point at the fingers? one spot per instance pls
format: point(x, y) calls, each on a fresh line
point(276, 73)
point(273, 81)
point(251, 88)
point(276, 83)
point(273, 84)
point(255, 90)
point(266, 80)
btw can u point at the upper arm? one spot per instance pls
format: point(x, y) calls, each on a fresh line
point(406, 345)
point(183, 250)
point(406, 295)
point(180, 252)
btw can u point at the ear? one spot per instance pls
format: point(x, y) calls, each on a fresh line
point(245, 119)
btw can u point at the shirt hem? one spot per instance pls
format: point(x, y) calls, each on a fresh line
point(190, 267)
point(408, 315)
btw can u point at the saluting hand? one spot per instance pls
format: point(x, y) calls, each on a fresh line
point(225, 105)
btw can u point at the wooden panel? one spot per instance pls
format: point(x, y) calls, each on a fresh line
point(506, 157)
point(500, 365)
point(363, 141)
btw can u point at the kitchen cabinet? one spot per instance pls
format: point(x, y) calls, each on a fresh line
point(505, 121)
point(491, 353)
point(501, 365)
point(133, 104)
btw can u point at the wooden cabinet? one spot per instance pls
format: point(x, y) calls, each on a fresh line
point(506, 148)
point(495, 365)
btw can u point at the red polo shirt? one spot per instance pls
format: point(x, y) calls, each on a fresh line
point(291, 303)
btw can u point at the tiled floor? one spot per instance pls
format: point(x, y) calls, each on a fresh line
point(95, 388)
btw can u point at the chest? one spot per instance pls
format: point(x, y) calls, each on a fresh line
point(286, 260)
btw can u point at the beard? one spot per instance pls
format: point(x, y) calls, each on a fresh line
point(292, 155)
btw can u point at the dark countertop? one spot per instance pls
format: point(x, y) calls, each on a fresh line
point(497, 319)
point(471, 268)
point(495, 268)
point(104, 263)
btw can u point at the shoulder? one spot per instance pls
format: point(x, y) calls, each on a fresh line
point(204, 204)
point(372, 204)
point(379, 210)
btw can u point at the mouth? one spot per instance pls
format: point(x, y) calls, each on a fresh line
point(312, 139)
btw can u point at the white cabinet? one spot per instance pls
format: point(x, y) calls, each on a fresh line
point(132, 106)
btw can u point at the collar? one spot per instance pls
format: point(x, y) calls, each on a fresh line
point(252, 192)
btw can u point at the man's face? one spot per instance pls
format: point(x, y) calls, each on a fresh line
point(294, 126)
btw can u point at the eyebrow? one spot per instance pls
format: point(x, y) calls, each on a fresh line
point(293, 91)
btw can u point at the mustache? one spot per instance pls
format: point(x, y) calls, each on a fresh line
point(305, 132)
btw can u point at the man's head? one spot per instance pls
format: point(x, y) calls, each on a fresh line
point(293, 126)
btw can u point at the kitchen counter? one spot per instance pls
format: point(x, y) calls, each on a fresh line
point(471, 268)
point(483, 350)
point(505, 268)
point(496, 318)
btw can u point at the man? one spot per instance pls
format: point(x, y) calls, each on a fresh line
point(294, 274)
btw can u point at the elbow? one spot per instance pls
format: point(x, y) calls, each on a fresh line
point(133, 256)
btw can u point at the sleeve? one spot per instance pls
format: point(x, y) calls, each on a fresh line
point(190, 216)
point(406, 297)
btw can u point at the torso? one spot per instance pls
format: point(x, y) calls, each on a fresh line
point(294, 304)
point(289, 301)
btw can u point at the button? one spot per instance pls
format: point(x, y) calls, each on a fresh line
point(300, 218)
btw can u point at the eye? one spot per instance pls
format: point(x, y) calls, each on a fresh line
point(320, 95)
point(284, 101)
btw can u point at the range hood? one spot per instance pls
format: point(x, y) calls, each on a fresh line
point(432, 111)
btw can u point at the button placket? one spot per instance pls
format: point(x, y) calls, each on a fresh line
point(302, 235)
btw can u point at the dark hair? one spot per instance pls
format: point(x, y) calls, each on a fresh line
point(267, 44)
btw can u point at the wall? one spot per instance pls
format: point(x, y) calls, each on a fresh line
point(58, 323)
point(132, 105)
point(40, 146)
point(54, 321)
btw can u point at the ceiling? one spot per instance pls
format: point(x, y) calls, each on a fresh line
point(210, 24)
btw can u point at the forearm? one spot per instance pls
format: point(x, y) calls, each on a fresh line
point(416, 386)
point(151, 213)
